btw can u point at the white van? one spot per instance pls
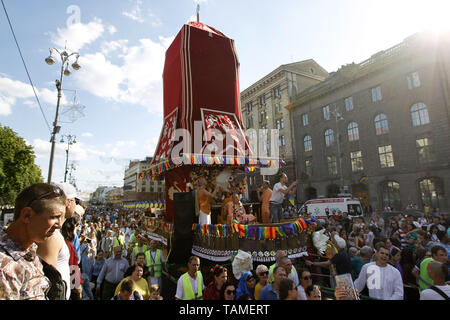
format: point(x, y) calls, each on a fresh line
point(318, 207)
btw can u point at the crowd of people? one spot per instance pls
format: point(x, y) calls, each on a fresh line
point(58, 248)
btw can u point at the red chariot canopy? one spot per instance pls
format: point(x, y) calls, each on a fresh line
point(201, 90)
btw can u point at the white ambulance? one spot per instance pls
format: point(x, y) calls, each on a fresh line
point(319, 207)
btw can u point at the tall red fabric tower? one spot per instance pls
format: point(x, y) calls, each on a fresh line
point(201, 83)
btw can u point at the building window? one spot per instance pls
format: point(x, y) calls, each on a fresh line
point(332, 165)
point(307, 143)
point(249, 107)
point(262, 100)
point(432, 192)
point(386, 156)
point(279, 123)
point(250, 122)
point(308, 167)
point(311, 70)
point(329, 137)
point(278, 107)
point(266, 146)
point(326, 112)
point(281, 141)
point(262, 116)
point(305, 119)
point(349, 103)
point(353, 132)
point(425, 150)
point(381, 124)
point(357, 161)
point(419, 114)
point(390, 191)
point(277, 92)
point(413, 80)
point(376, 94)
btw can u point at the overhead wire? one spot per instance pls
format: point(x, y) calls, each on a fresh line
point(24, 64)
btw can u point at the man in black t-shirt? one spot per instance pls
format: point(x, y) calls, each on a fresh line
point(341, 260)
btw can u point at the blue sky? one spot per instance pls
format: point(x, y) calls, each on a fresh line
point(122, 46)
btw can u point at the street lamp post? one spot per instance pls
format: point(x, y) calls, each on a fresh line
point(70, 141)
point(65, 56)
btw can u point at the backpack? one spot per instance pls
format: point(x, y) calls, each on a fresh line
point(58, 286)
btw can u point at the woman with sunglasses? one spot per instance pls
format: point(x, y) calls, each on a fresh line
point(228, 291)
point(263, 274)
point(219, 277)
point(246, 285)
point(305, 282)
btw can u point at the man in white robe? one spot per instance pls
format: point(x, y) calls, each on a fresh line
point(383, 280)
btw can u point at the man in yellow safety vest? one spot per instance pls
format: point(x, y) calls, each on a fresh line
point(190, 285)
point(155, 262)
point(278, 257)
point(139, 247)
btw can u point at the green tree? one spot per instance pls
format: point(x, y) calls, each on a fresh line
point(17, 167)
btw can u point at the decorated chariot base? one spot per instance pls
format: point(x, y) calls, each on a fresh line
point(220, 242)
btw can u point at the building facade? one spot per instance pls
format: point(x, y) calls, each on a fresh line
point(264, 109)
point(138, 189)
point(379, 129)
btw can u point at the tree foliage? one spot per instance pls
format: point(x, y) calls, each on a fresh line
point(17, 167)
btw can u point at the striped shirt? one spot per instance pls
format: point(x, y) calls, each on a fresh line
point(403, 238)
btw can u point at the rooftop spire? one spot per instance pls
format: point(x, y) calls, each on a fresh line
point(198, 12)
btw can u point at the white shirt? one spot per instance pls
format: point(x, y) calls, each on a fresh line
point(62, 265)
point(277, 196)
point(384, 283)
point(294, 276)
point(301, 294)
point(430, 294)
point(180, 288)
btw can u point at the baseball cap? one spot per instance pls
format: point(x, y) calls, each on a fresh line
point(69, 190)
point(79, 210)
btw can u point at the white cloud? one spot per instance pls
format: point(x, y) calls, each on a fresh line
point(138, 80)
point(108, 47)
point(112, 29)
point(99, 76)
point(13, 90)
point(155, 21)
point(135, 13)
point(5, 105)
point(78, 151)
point(166, 41)
point(87, 134)
point(78, 35)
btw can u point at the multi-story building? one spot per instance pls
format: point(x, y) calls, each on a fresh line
point(379, 129)
point(99, 196)
point(114, 196)
point(264, 108)
point(138, 189)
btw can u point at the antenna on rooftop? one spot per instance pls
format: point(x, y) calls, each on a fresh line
point(198, 12)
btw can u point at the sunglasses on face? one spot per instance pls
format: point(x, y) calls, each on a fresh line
point(307, 278)
point(229, 292)
point(55, 193)
point(264, 273)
